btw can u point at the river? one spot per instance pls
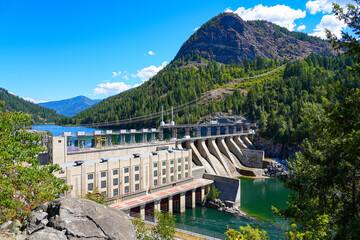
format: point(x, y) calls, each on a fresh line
point(257, 197)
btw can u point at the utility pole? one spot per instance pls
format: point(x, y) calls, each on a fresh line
point(172, 116)
point(162, 123)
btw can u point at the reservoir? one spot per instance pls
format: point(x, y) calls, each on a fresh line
point(58, 130)
point(257, 197)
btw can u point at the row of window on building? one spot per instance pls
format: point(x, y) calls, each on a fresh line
point(126, 170)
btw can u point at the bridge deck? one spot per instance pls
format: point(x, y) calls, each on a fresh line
point(213, 136)
point(207, 125)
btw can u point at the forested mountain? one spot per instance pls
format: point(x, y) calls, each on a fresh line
point(274, 100)
point(180, 82)
point(247, 45)
point(38, 113)
point(72, 106)
point(278, 103)
point(227, 38)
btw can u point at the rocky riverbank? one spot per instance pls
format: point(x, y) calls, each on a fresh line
point(224, 207)
point(276, 169)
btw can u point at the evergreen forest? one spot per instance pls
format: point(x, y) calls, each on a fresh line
point(38, 114)
point(274, 100)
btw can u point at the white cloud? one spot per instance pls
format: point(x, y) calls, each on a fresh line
point(148, 72)
point(115, 74)
point(195, 29)
point(112, 88)
point(324, 6)
point(32, 100)
point(28, 99)
point(301, 28)
point(281, 15)
point(228, 10)
point(329, 22)
point(107, 87)
point(151, 53)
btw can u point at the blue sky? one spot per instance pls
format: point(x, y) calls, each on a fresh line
point(53, 50)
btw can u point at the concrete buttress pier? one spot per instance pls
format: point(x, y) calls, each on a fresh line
point(198, 159)
point(225, 155)
point(217, 166)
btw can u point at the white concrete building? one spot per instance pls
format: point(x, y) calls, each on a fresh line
point(125, 176)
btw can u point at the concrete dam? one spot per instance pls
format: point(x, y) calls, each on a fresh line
point(139, 171)
point(227, 153)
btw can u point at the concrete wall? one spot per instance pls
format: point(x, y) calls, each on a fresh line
point(230, 188)
point(256, 157)
point(198, 172)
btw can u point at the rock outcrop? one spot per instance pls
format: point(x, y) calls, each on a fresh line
point(224, 207)
point(275, 169)
point(227, 38)
point(273, 149)
point(75, 218)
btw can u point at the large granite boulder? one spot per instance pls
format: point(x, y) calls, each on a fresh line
point(75, 218)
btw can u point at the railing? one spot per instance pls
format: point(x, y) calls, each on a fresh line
point(203, 233)
point(200, 231)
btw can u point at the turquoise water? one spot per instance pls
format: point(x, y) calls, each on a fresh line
point(257, 197)
point(58, 130)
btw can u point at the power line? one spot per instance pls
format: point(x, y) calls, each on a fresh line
point(151, 116)
point(179, 108)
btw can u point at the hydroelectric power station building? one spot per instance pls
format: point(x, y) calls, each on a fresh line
point(138, 173)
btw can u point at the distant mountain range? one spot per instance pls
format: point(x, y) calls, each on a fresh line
point(38, 113)
point(72, 106)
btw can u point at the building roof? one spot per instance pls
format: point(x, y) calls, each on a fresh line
point(115, 159)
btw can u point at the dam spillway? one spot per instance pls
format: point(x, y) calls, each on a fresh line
point(227, 153)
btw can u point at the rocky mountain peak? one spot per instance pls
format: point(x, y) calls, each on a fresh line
point(231, 21)
point(228, 38)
